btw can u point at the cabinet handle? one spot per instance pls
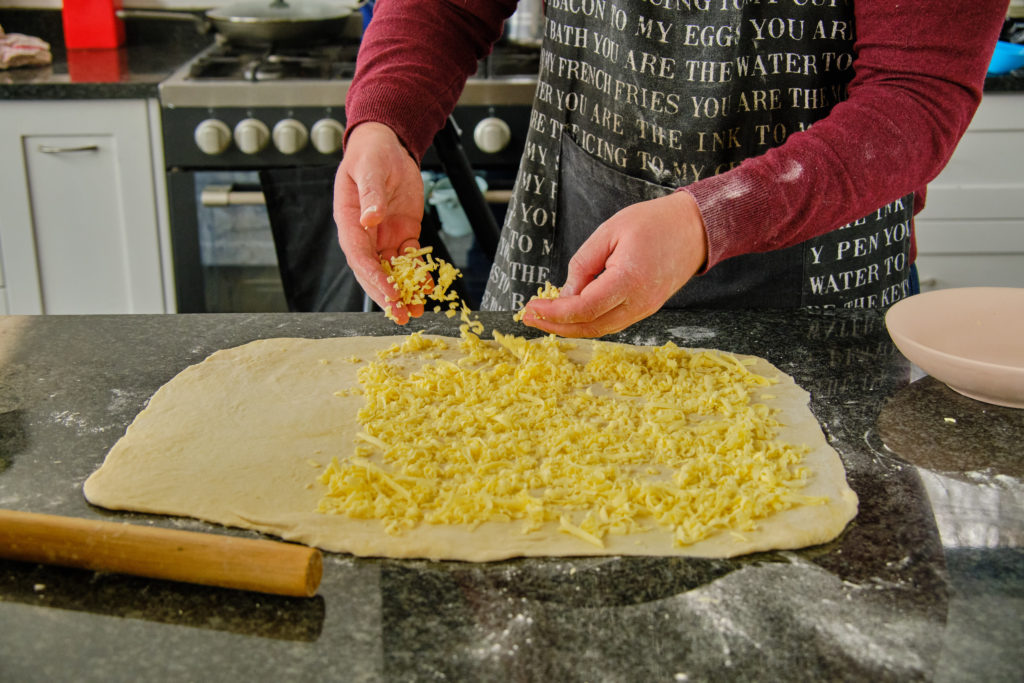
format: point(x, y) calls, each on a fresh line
point(50, 149)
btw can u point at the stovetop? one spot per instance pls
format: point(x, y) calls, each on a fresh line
point(224, 75)
point(223, 62)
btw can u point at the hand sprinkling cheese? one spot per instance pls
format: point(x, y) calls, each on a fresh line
point(410, 273)
point(548, 291)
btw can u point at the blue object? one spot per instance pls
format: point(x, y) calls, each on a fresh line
point(367, 12)
point(1006, 58)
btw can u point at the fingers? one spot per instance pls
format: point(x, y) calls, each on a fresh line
point(601, 308)
point(587, 263)
point(400, 312)
point(371, 200)
point(372, 215)
point(627, 269)
point(592, 299)
point(388, 253)
point(357, 241)
point(615, 320)
point(595, 300)
point(364, 263)
point(378, 208)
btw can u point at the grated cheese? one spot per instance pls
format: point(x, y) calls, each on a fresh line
point(411, 274)
point(548, 291)
point(517, 430)
point(629, 440)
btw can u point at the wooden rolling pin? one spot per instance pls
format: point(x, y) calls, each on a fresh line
point(208, 559)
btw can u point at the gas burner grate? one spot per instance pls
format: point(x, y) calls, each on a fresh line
point(508, 60)
point(228, 63)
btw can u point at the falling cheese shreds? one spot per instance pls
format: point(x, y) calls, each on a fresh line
point(548, 291)
point(515, 430)
point(410, 273)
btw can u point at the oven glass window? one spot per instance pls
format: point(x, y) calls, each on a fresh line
point(236, 244)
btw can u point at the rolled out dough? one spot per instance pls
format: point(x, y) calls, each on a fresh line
point(241, 438)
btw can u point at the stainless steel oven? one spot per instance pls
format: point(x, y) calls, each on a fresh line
point(231, 112)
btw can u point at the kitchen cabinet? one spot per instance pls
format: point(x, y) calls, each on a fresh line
point(971, 232)
point(83, 219)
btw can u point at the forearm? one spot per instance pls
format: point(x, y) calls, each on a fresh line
point(920, 67)
point(414, 61)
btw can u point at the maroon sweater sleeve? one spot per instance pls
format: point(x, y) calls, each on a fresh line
point(414, 60)
point(919, 70)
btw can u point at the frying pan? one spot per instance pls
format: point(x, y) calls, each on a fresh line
point(267, 22)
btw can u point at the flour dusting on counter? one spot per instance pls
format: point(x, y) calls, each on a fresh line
point(736, 626)
point(692, 334)
point(77, 421)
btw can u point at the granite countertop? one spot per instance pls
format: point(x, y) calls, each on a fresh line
point(925, 584)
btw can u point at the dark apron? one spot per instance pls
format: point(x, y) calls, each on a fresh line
point(636, 99)
point(314, 272)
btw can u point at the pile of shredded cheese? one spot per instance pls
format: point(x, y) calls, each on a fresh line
point(519, 430)
point(625, 441)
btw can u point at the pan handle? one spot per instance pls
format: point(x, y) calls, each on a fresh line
point(203, 26)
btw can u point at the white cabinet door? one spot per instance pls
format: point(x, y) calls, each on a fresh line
point(79, 230)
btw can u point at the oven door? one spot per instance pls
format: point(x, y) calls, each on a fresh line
point(226, 259)
point(224, 254)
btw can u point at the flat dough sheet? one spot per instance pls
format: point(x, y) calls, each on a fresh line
point(241, 438)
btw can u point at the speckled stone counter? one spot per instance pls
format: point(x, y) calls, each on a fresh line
point(925, 584)
point(153, 49)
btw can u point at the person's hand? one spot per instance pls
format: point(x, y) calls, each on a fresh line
point(627, 269)
point(378, 207)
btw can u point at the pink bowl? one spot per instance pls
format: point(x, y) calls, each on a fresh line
point(971, 338)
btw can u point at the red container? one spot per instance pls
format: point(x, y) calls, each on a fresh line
point(96, 66)
point(92, 23)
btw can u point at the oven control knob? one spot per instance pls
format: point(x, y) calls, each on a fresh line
point(212, 136)
point(289, 136)
point(492, 135)
point(327, 135)
point(251, 135)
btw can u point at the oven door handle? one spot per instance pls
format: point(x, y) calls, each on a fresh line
point(497, 196)
point(229, 195)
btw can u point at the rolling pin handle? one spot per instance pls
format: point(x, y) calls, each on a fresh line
point(188, 556)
